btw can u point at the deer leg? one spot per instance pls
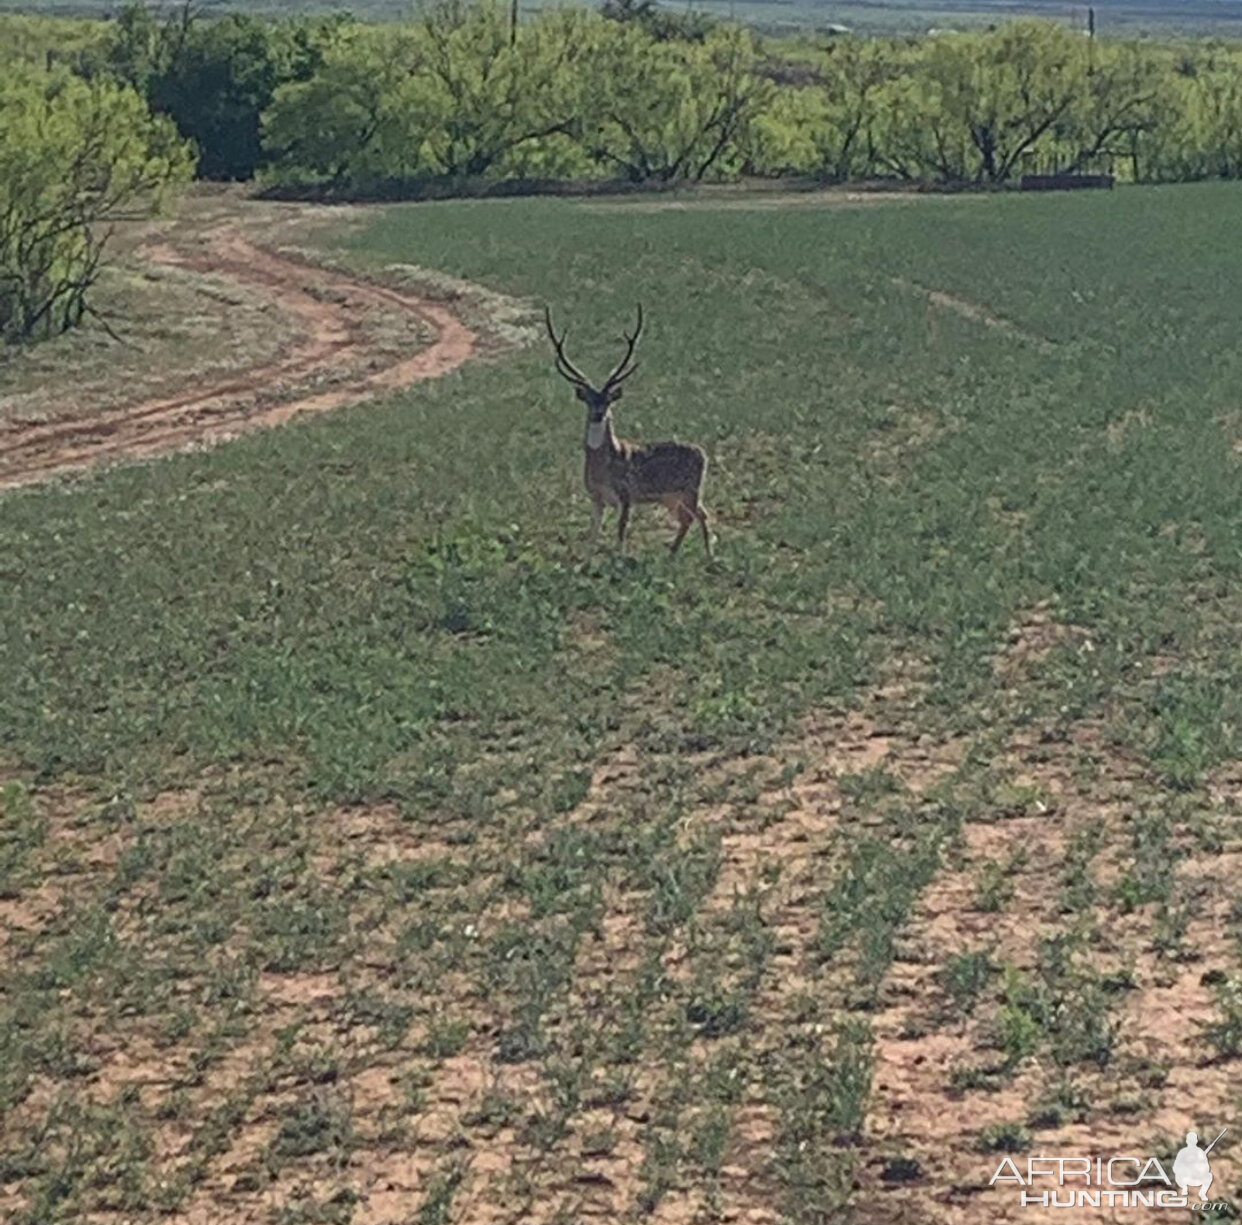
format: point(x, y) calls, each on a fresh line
point(701, 515)
point(622, 524)
point(597, 516)
point(686, 516)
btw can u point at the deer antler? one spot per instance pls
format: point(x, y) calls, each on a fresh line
point(623, 369)
point(564, 367)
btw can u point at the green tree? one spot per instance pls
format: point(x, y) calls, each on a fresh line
point(786, 136)
point(450, 96)
point(917, 133)
point(972, 106)
point(75, 156)
point(489, 95)
point(668, 111)
point(1127, 90)
point(359, 120)
point(855, 75)
point(49, 40)
point(1216, 110)
point(216, 78)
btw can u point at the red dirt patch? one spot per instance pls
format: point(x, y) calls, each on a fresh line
point(1159, 1080)
point(326, 302)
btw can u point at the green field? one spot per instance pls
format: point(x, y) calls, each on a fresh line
point(372, 851)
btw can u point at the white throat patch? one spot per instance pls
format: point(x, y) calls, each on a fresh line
point(597, 431)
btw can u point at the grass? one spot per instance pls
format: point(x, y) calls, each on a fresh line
point(358, 816)
point(178, 327)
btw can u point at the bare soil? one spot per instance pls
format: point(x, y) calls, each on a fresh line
point(334, 355)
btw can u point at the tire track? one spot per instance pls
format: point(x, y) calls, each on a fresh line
point(327, 302)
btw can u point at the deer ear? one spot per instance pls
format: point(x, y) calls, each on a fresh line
point(580, 392)
point(614, 393)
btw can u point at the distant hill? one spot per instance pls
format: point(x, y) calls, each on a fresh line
point(1114, 18)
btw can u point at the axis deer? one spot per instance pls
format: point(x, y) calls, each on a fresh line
point(621, 473)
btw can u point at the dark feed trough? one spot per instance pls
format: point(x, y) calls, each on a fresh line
point(1064, 182)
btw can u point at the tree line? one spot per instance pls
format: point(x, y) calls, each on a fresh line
point(630, 92)
point(639, 93)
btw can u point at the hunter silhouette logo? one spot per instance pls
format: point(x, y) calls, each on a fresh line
point(1191, 1167)
point(1114, 1182)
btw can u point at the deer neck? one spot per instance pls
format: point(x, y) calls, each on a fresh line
point(599, 435)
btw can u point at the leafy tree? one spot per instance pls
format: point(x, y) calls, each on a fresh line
point(75, 156)
point(856, 73)
point(1196, 127)
point(216, 78)
point(671, 111)
point(358, 120)
point(1216, 116)
point(917, 132)
point(135, 51)
point(971, 107)
point(43, 41)
point(785, 136)
point(637, 91)
point(1126, 92)
point(490, 94)
point(1008, 89)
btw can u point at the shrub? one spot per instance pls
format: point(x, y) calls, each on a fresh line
point(75, 155)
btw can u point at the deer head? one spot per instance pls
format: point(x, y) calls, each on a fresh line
point(598, 400)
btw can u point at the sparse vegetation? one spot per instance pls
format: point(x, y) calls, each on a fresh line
point(1004, 1138)
point(357, 820)
point(964, 977)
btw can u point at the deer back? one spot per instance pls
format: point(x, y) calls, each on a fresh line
point(653, 471)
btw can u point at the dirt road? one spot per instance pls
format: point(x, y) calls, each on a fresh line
point(327, 303)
